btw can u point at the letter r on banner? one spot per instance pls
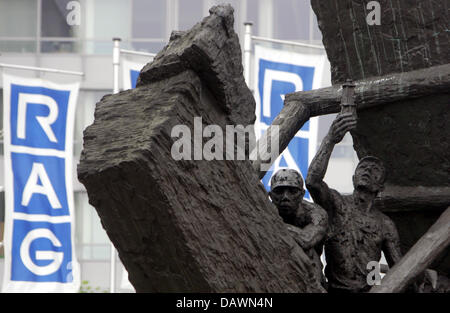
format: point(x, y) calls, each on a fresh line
point(44, 121)
point(38, 117)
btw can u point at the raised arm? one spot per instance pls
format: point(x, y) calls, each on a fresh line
point(318, 189)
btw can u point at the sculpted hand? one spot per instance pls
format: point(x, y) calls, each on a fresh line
point(432, 277)
point(341, 125)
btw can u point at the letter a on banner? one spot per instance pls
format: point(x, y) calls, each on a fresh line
point(38, 122)
point(277, 73)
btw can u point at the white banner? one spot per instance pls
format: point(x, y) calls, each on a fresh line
point(38, 122)
point(130, 72)
point(276, 73)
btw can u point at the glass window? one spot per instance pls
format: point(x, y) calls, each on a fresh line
point(2, 193)
point(190, 12)
point(27, 46)
point(1, 136)
point(90, 237)
point(149, 18)
point(152, 47)
point(291, 19)
point(54, 19)
point(98, 46)
point(60, 46)
point(2, 208)
point(105, 19)
point(317, 34)
point(18, 18)
point(85, 115)
point(253, 15)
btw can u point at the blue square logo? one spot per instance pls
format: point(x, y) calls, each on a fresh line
point(44, 252)
point(38, 117)
point(277, 79)
point(39, 184)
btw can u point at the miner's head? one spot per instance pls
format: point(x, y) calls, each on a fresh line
point(286, 191)
point(368, 179)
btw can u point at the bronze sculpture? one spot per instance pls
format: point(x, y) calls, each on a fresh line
point(307, 222)
point(358, 232)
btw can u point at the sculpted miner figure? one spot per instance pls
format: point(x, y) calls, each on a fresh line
point(308, 222)
point(357, 232)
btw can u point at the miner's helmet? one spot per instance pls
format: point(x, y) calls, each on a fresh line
point(286, 178)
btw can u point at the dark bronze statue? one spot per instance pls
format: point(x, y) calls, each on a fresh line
point(358, 233)
point(434, 283)
point(306, 221)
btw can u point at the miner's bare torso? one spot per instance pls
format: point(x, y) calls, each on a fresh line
point(355, 238)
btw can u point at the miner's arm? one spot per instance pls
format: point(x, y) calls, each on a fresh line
point(312, 234)
point(391, 243)
point(318, 189)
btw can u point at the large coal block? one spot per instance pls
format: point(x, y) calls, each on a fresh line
point(188, 225)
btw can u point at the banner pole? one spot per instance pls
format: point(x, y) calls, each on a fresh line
point(40, 69)
point(290, 43)
point(116, 65)
point(247, 51)
point(145, 54)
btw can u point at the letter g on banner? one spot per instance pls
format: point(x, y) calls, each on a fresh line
point(43, 251)
point(56, 258)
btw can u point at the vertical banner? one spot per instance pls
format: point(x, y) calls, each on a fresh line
point(38, 121)
point(130, 72)
point(277, 73)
